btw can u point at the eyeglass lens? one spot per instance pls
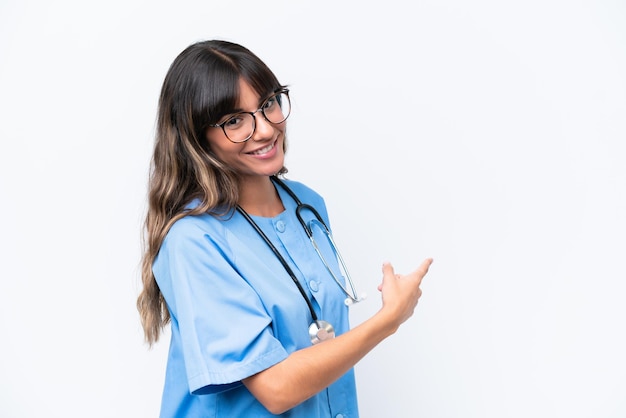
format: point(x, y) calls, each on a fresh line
point(240, 127)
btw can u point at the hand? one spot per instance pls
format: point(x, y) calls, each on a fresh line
point(400, 293)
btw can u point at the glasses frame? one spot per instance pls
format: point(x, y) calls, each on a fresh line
point(261, 109)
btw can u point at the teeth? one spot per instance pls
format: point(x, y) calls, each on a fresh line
point(264, 150)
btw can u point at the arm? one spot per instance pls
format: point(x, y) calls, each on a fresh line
point(308, 371)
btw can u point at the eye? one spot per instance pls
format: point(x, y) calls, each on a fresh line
point(269, 103)
point(235, 121)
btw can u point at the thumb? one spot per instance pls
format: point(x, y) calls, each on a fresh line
point(388, 272)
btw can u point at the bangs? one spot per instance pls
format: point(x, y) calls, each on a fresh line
point(261, 79)
point(218, 68)
point(226, 94)
point(221, 93)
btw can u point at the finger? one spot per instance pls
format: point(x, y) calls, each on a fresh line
point(421, 271)
point(387, 274)
point(426, 265)
point(387, 269)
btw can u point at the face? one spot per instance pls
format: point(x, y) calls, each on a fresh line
point(262, 154)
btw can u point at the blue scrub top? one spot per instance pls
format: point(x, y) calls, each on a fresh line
point(235, 311)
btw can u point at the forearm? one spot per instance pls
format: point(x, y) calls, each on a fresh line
point(308, 371)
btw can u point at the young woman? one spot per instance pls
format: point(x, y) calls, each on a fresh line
point(258, 310)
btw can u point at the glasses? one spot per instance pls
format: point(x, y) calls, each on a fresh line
point(240, 127)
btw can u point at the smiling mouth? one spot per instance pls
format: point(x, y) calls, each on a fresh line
point(264, 150)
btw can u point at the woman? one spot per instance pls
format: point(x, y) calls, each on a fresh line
point(228, 262)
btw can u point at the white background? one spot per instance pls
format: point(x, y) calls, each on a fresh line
point(486, 134)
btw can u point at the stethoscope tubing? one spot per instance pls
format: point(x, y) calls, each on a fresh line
point(352, 297)
point(281, 259)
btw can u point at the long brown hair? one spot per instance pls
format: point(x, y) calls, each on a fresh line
point(201, 86)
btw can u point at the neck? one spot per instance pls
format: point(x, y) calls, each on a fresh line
point(258, 197)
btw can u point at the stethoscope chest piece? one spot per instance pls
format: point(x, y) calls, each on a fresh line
point(320, 330)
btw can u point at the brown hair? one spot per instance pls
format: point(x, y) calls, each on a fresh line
point(201, 86)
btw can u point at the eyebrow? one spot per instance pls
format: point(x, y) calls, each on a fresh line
point(240, 110)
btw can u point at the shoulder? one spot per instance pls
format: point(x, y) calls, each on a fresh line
point(309, 196)
point(197, 228)
point(304, 192)
point(191, 244)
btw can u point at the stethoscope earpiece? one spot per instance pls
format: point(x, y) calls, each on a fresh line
point(350, 301)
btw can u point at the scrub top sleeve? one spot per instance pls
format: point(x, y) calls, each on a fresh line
point(224, 331)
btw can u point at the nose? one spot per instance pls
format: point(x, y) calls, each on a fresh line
point(263, 129)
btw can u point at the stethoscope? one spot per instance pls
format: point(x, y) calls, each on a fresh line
point(319, 330)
